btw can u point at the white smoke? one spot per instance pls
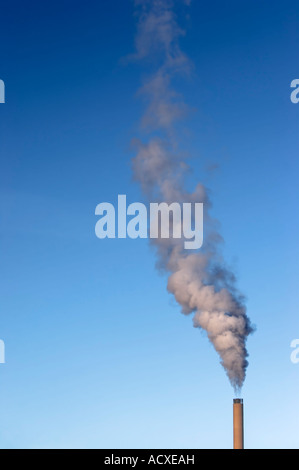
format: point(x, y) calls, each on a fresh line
point(198, 280)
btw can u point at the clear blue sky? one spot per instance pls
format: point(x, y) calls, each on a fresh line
point(97, 352)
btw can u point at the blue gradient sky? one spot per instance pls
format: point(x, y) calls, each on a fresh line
point(97, 352)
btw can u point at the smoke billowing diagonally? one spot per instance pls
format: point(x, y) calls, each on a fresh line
point(199, 280)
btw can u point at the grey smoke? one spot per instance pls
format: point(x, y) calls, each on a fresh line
point(199, 280)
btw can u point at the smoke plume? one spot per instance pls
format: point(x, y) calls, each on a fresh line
point(199, 280)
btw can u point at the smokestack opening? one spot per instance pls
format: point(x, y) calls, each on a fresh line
point(238, 424)
point(238, 400)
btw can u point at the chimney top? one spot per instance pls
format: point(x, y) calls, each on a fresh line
point(238, 400)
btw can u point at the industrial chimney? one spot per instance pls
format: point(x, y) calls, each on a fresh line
point(238, 423)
